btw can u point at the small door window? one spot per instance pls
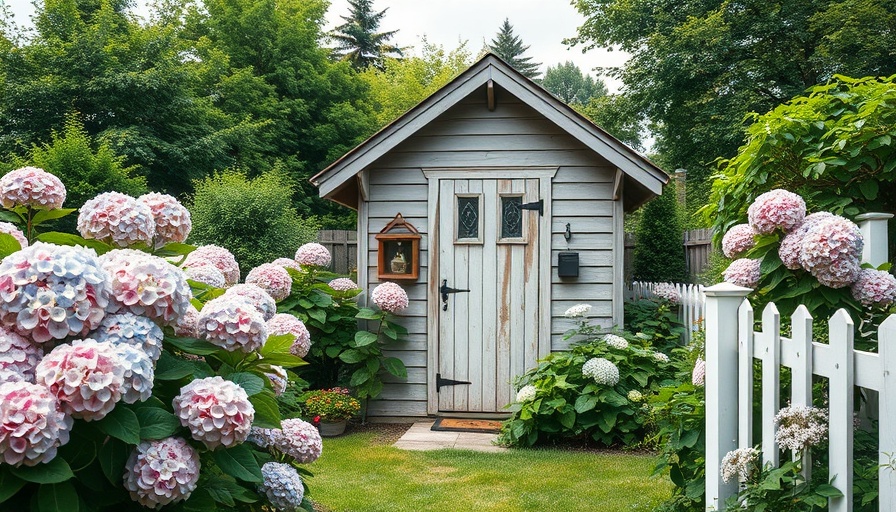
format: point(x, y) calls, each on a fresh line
point(469, 219)
point(511, 217)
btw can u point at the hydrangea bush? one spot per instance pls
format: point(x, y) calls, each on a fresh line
point(594, 390)
point(121, 388)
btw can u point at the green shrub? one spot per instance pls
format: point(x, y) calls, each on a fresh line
point(655, 319)
point(252, 217)
point(565, 402)
point(659, 250)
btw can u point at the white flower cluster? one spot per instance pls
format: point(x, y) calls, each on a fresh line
point(282, 486)
point(776, 209)
point(635, 396)
point(526, 393)
point(260, 299)
point(698, 374)
point(138, 374)
point(615, 341)
point(271, 278)
point(117, 219)
point(800, 427)
point(52, 292)
point(343, 284)
point(13, 231)
point(217, 256)
point(389, 297)
point(295, 438)
point(743, 272)
point(18, 357)
point(131, 329)
point(217, 411)
point(578, 311)
point(667, 292)
point(738, 240)
point(313, 254)
point(146, 285)
point(86, 377)
point(288, 263)
point(792, 243)
point(232, 323)
point(206, 274)
point(279, 379)
point(874, 288)
point(603, 372)
point(33, 426)
point(188, 323)
point(284, 323)
point(31, 186)
point(831, 251)
point(172, 219)
point(739, 463)
point(161, 472)
point(660, 357)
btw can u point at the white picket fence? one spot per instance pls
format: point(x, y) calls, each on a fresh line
point(731, 347)
point(692, 302)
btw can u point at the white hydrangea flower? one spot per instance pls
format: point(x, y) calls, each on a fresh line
point(617, 342)
point(131, 329)
point(526, 393)
point(660, 357)
point(578, 311)
point(256, 296)
point(698, 374)
point(161, 472)
point(603, 372)
point(800, 427)
point(284, 323)
point(271, 278)
point(117, 219)
point(146, 285)
point(389, 297)
point(313, 254)
point(138, 373)
point(232, 323)
point(738, 463)
point(206, 274)
point(667, 291)
point(18, 357)
point(218, 256)
point(217, 411)
point(635, 396)
point(31, 186)
point(295, 438)
point(282, 486)
point(172, 219)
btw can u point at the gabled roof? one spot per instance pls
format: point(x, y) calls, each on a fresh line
point(643, 178)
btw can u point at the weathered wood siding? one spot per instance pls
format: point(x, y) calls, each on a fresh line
point(469, 135)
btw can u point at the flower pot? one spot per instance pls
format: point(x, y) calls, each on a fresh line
point(332, 428)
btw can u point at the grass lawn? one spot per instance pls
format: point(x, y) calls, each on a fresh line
point(358, 473)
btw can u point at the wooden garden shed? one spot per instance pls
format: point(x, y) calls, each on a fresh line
point(513, 196)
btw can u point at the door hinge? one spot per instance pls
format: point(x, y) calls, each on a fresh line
point(440, 382)
point(537, 206)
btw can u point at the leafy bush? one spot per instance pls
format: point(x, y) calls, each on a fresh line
point(252, 217)
point(334, 404)
point(659, 253)
point(595, 390)
point(655, 319)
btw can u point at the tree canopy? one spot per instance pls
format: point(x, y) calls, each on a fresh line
point(698, 67)
point(567, 82)
point(510, 48)
point(358, 40)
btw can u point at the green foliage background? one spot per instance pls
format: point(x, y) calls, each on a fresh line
point(659, 253)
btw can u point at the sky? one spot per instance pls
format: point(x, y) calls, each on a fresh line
point(541, 24)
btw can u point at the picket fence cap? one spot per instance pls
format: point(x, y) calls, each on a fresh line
point(874, 216)
point(727, 290)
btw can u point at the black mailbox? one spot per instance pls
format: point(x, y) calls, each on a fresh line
point(568, 264)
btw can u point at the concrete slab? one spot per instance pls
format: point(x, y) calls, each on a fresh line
point(421, 437)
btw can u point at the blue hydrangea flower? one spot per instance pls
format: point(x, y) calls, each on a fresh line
point(282, 486)
point(131, 329)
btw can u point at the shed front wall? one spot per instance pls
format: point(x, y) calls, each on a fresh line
point(512, 136)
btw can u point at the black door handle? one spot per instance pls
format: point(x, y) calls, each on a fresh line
point(445, 290)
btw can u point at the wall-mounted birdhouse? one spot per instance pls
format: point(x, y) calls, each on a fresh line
point(399, 250)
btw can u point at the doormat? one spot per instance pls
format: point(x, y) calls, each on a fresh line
point(462, 425)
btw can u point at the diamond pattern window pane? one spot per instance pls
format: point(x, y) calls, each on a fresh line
point(511, 217)
point(467, 217)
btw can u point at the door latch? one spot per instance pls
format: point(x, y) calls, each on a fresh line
point(537, 206)
point(445, 290)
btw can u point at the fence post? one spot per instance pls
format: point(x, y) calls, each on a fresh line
point(874, 231)
point(887, 448)
point(722, 303)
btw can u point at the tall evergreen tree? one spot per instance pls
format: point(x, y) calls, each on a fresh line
point(358, 40)
point(659, 253)
point(509, 47)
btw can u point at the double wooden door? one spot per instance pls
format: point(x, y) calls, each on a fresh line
point(488, 244)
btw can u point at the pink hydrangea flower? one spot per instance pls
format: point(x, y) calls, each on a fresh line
point(831, 250)
point(389, 297)
point(33, 427)
point(188, 323)
point(256, 296)
point(217, 411)
point(738, 240)
point(792, 243)
point(31, 186)
point(667, 291)
point(217, 256)
point(86, 377)
point(172, 220)
point(698, 374)
point(313, 254)
point(52, 292)
point(296, 438)
point(743, 272)
point(232, 323)
point(13, 231)
point(161, 472)
point(284, 323)
point(874, 288)
point(776, 209)
point(343, 284)
point(147, 285)
point(117, 219)
point(18, 357)
point(206, 274)
point(279, 379)
point(271, 278)
point(288, 263)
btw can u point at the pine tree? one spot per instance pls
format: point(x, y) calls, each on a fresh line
point(358, 40)
point(510, 48)
point(659, 253)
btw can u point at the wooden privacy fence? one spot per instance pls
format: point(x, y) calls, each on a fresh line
point(732, 346)
point(691, 305)
point(343, 246)
point(697, 245)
